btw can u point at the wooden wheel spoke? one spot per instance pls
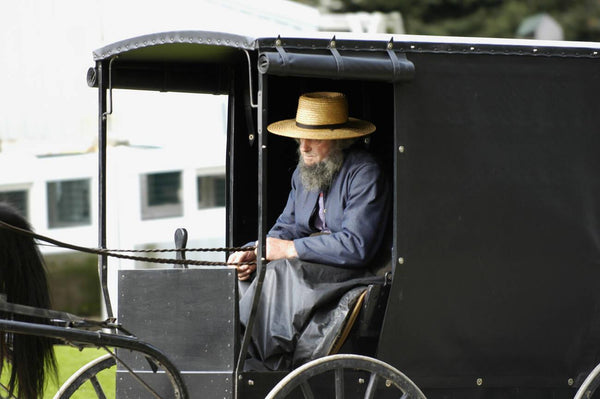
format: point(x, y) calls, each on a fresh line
point(372, 386)
point(97, 388)
point(339, 383)
point(306, 391)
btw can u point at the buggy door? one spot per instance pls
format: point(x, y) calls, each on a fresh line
point(496, 283)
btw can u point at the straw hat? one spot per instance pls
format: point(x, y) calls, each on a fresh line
point(322, 116)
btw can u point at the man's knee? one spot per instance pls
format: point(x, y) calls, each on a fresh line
point(243, 286)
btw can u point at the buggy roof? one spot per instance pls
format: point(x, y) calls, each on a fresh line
point(176, 46)
point(204, 61)
point(194, 46)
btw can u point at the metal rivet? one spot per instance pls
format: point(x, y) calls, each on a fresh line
point(401, 149)
point(332, 44)
point(278, 42)
point(400, 261)
point(388, 383)
point(250, 137)
point(535, 50)
point(479, 382)
point(390, 46)
point(361, 380)
point(472, 48)
point(570, 382)
point(251, 382)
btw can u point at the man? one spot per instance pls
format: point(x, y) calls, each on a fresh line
point(330, 229)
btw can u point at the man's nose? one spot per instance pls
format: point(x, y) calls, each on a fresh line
point(304, 145)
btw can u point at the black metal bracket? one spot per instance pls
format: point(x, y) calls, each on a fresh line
point(181, 238)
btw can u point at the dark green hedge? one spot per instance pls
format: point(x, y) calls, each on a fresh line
point(74, 283)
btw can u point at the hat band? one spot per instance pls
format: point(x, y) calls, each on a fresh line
point(330, 126)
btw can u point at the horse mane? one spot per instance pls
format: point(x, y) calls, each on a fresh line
point(23, 281)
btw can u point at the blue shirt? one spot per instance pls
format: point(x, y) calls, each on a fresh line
point(357, 208)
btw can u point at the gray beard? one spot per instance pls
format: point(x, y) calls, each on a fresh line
point(318, 177)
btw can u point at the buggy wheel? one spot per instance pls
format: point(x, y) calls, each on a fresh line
point(379, 376)
point(86, 373)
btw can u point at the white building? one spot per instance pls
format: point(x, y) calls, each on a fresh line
point(48, 126)
point(151, 192)
point(176, 142)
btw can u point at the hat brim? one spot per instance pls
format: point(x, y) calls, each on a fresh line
point(353, 128)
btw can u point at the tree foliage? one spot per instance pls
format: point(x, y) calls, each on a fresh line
point(580, 19)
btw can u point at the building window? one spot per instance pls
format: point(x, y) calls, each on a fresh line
point(69, 203)
point(161, 195)
point(18, 199)
point(211, 191)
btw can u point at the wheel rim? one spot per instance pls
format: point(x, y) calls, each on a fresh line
point(86, 373)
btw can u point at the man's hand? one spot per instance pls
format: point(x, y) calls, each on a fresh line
point(276, 249)
point(280, 249)
point(244, 271)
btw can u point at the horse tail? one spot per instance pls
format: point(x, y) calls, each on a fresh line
point(23, 281)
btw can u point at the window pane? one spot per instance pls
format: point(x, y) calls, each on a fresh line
point(211, 191)
point(17, 199)
point(219, 191)
point(201, 187)
point(163, 188)
point(161, 195)
point(69, 203)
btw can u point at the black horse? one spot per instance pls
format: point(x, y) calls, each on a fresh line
point(23, 281)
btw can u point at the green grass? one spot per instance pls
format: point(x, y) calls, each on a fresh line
point(69, 360)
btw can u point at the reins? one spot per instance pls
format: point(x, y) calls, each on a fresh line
point(120, 253)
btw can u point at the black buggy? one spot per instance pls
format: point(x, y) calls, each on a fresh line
point(492, 269)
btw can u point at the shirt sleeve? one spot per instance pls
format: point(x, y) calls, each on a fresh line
point(285, 226)
point(364, 218)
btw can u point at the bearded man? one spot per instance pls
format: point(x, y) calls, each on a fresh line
point(331, 227)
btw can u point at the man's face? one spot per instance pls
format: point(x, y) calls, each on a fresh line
point(314, 151)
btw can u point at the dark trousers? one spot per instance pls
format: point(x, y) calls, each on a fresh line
point(292, 291)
